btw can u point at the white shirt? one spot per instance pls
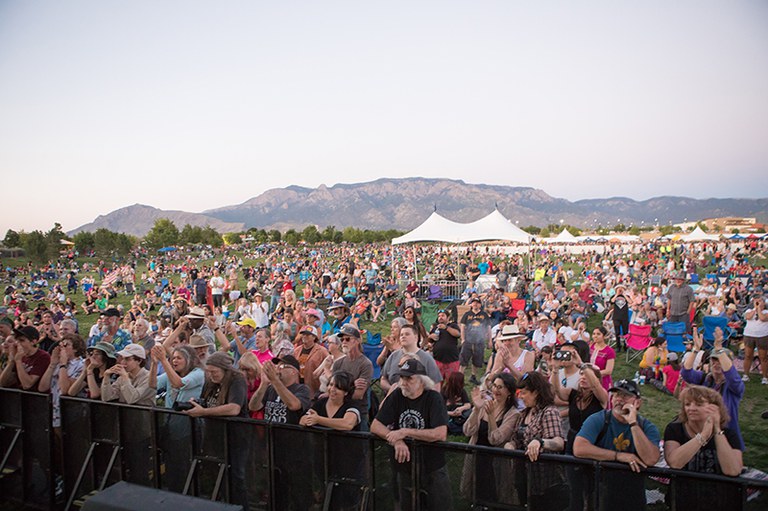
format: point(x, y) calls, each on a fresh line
point(540, 339)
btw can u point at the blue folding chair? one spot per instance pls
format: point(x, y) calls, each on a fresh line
point(710, 324)
point(372, 352)
point(675, 334)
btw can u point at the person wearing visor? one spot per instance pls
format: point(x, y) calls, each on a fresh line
point(620, 435)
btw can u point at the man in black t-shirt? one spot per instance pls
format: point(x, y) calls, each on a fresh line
point(444, 337)
point(415, 411)
point(285, 400)
point(475, 335)
point(281, 395)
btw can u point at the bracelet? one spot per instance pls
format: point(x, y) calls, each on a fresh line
point(632, 424)
point(721, 432)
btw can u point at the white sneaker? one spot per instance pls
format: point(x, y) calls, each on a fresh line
point(764, 381)
point(745, 377)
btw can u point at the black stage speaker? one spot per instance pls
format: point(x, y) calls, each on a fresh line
point(130, 497)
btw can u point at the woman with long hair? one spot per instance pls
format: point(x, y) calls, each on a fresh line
point(456, 402)
point(602, 356)
point(536, 429)
point(412, 317)
point(491, 423)
point(391, 341)
point(100, 357)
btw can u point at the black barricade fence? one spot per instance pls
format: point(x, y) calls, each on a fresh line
point(27, 443)
point(278, 467)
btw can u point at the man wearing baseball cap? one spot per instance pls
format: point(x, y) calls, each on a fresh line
point(26, 362)
point(414, 410)
point(475, 328)
point(111, 332)
point(680, 301)
point(358, 365)
point(243, 339)
point(621, 435)
point(310, 354)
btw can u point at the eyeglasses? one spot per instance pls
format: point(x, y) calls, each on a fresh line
point(497, 386)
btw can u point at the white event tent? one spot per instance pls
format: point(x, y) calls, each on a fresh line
point(494, 226)
point(563, 237)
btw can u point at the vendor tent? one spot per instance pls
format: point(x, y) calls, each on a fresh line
point(563, 237)
point(699, 235)
point(434, 228)
point(492, 227)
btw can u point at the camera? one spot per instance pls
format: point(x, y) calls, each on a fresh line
point(182, 407)
point(562, 355)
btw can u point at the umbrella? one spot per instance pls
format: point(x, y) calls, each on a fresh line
point(167, 249)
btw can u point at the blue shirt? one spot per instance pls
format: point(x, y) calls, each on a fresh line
point(250, 345)
point(191, 387)
point(121, 339)
point(618, 437)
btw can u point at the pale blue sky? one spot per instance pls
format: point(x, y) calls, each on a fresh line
point(193, 105)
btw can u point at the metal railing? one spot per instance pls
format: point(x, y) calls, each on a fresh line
point(279, 467)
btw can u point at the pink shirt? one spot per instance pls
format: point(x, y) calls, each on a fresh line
point(600, 358)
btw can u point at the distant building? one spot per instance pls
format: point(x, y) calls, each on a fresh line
point(726, 224)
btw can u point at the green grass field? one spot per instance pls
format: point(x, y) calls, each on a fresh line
point(659, 408)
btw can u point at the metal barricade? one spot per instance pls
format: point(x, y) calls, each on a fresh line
point(277, 467)
point(26, 447)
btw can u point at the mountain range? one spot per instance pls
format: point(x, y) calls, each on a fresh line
point(405, 203)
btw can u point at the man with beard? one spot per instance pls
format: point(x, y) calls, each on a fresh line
point(414, 410)
point(358, 365)
point(111, 332)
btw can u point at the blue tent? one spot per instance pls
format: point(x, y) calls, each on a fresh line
point(167, 249)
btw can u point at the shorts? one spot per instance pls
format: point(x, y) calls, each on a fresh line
point(472, 351)
point(446, 368)
point(760, 342)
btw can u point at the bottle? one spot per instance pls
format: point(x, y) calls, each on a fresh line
point(636, 379)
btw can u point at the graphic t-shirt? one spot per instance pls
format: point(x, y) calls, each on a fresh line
point(275, 409)
point(425, 412)
point(476, 326)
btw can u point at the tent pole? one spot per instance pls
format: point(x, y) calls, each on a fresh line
point(415, 265)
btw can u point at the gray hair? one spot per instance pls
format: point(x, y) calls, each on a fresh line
point(400, 322)
point(143, 321)
point(426, 381)
point(70, 322)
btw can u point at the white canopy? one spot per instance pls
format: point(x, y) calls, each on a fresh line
point(495, 226)
point(434, 228)
point(563, 237)
point(699, 235)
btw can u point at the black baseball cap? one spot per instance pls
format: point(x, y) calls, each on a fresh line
point(288, 359)
point(111, 313)
point(411, 367)
point(28, 332)
point(626, 386)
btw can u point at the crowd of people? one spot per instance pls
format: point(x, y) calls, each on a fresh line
point(283, 341)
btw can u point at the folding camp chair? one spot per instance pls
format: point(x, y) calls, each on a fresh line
point(675, 334)
point(638, 339)
point(435, 293)
point(710, 324)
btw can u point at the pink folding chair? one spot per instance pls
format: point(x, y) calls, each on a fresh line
point(638, 339)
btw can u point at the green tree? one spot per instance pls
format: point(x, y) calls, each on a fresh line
point(211, 236)
point(666, 230)
point(54, 237)
point(84, 241)
point(532, 229)
point(619, 228)
point(634, 230)
point(544, 233)
point(124, 243)
point(292, 237)
point(311, 235)
point(275, 236)
point(163, 234)
point(231, 238)
point(104, 241)
point(36, 246)
point(703, 226)
point(12, 239)
point(352, 235)
point(191, 235)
